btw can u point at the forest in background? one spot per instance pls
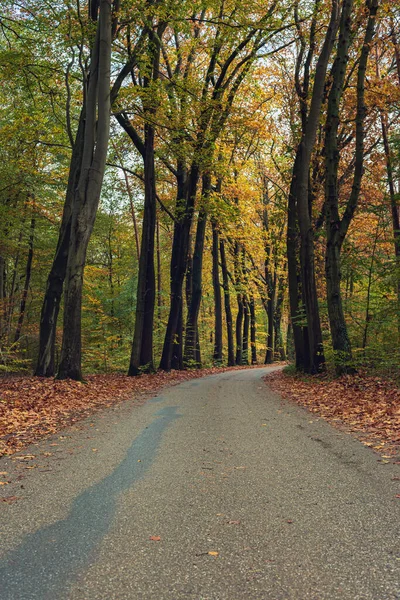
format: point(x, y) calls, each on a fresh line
point(225, 175)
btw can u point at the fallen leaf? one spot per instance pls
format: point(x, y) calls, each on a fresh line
point(233, 522)
point(9, 499)
point(155, 538)
point(4, 482)
point(212, 553)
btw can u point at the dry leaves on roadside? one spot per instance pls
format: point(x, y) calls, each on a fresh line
point(368, 406)
point(33, 407)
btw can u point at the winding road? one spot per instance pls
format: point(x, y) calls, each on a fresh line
point(216, 489)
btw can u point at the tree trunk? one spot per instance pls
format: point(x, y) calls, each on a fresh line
point(299, 198)
point(337, 227)
point(191, 355)
point(217, 355)
point(246, 329)
point(187, 188)
point(54, 287)
point(2, 292)
point(269, 356)
point(294, 280)
point(227, 302)
point(340, 339)
point(142, 347)
point(239, 300)
point(278, 337)
point(253, 331)
point(159, 274)
point(87, 194)
point(27, 281)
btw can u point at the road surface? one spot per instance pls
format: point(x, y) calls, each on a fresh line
point(245, 496)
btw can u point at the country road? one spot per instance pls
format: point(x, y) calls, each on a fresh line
point(289, 507)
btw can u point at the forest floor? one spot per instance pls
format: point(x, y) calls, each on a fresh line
point(32, 407)
point(364, 405)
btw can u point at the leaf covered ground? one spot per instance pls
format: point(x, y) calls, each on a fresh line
point(32, 407)
point(368, 407)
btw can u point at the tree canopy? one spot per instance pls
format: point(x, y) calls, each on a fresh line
point(186, 184)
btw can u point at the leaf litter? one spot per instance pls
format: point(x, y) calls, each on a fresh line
point(365, 405)
point(32, 407)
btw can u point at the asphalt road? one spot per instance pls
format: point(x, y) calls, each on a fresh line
point(288, 506)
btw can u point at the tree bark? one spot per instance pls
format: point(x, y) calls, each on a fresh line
point(46, 366)
point(87, 194)
point(191, 355)
point(278, 337)
point(25, 290)
point(217, 354)
point(246, 330)
point(239, 300)
point(340, 339)
point(253, 331)
point(299, 198)
point(186, 194)
point(227, 302)
point(337, 227)
point(142, 347)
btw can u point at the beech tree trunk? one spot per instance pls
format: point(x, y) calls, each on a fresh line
point(253, 331)
point(217, 354)
point(311, 349)
point(87, 194)
point(191, 356)
point(227, 302)
point(54, 288)
point(278, 337)
point(187, 188)
point(26, 283)
point(340, 339)
point(239, 300)
point(246, 329)
point(142, 348)
point(337, 227)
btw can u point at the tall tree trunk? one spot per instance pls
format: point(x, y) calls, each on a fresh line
point(2, 292)
point(299, 197)
point(294, 282)
point(142, 346)
point(217, 354)
point(239, 300)
point(278, 337)
point(253, 331)
point(340, 339)
point(159, 278)
point(394, 206)
point(227, 302)
point(270, 279)
point(246, 330)
point(337, 227)
point(87, 194)
point(187, 188)
point(27, 282)
point(14, 284)
point(191, 339)
point(46, 366)
point(269, 355)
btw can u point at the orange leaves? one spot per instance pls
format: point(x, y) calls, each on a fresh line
point(155, 538)
point(33, 407)
point(366, 405)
